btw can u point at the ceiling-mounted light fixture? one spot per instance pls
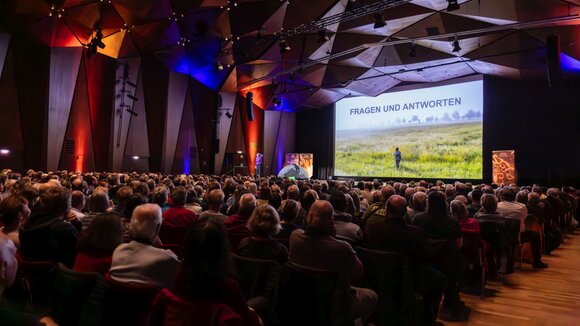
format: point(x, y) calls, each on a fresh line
point(284, 46)
point(379, 21)
point(412, 50)
point(323, 36)
point(276, 100)
point(229, 115)
point(456, 47)
point(453, 5)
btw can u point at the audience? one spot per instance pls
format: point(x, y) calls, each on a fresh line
point(139, 261)
point(13, 212)
point(345, 229)
point(215, 200)
point(288, 212)
point(96, 246)
point(247, 204)
point(177, 214)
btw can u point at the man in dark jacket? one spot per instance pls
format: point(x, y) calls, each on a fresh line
point(46, 235)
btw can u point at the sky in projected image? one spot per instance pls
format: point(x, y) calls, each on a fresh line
point(438, 130)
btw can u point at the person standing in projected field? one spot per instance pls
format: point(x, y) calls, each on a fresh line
point(398, 157)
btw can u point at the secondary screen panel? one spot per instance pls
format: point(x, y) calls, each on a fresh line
point(438, 132)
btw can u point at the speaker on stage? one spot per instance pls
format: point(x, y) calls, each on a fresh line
point(553, 60)
point(250, 105)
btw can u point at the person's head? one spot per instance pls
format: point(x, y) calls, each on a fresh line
point(160, 195)
point(289, 210)
point(419, 201)
point(8, 263)
point(386, 193)
point(293, 192)
point(13, 211)
point(462, 198)
point(105, 232)
point(247, 204)
point(522, 197)
point(77, 200)
point(320, 217)
point(123, 195)
point(476, 195)
point(145, 222)
point(215, 199)
point(458, 209)
point(55, 200)
point(436, 203)
point(308, 199)
point(409, 192)
point(553, 192)
point(206, 260)
point(134, 200)
point(507, 194)
point(264, 221)
point(179, 196)
point(396, 207)
point(396, 148)
point(489, 203)
point(338, 201)
point(99, 201)
point(533, 199)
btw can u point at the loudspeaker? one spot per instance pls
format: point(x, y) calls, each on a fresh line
point(553, 60)
point(250, 105)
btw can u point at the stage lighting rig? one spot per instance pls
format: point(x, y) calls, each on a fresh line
point(452, 5)
point(456, 47)
point(379, 21)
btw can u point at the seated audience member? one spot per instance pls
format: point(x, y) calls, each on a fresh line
point(310, 196)
point(263, 224)
point(247, 204)
point(139, 261)
point(215, 200)
point(160, 197)
point(418, 205)
point(459, 211)
point(377, 210)
point(96, 246)
point(13, 211)
point(475, 205)
point(439, 225)
point(46, 235)
point(177, 214)
point(288, 212)
point(509, 208)
point(330, 255)
point(553, 235)
point(123, 195)
point(99, 204)
point(345, 229)
point(205, 274)
point(77, 204)
point(394, 235)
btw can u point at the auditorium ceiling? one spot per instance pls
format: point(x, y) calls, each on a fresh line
point(237, 46)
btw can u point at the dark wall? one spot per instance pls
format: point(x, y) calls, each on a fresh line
point(541, 124)
point(315, 134)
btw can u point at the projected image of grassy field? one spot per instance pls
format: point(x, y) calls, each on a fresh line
point(445, 151)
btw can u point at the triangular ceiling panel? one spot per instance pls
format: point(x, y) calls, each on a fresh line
point(373, 83)
point(321, 98)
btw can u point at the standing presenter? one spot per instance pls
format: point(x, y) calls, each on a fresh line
point(259, 160)
point(398, 157)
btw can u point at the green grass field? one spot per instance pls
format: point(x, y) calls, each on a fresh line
point(445, 151)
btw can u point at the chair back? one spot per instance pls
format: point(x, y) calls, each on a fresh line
point(171, 234)
point(390, 275)
point(77, 297)
point(127, 303)
point(258, 277)
point(170, 310)
point(471, 248)
point(236, 235)
point(33, 284)
point(307, 297)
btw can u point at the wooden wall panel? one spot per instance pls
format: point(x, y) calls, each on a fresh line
point(137, 139)
point(186, 155)
point(204, 110)
point(176, 90)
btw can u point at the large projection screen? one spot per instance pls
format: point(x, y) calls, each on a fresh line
point(438, 131)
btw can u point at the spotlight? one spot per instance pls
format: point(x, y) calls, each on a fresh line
point(456, 47)
point(453, 5)
point(133, 113)
point(323, 36)
point(284, 46)
point(412, 50)
point(100, 43)
point(218, 65)
point(379, 22)
point(135, 158)
point(132, 97)
point(276, 100)
point(4, 151)
point(229, 115)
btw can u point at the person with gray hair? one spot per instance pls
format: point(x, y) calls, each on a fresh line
point(263, 225)
point(98, 204)
point(139, 261)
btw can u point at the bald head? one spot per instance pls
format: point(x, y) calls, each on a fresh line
point(396, 207)
point(386, 192)
point(320, 216)
point(145, 222)
point(247, 204)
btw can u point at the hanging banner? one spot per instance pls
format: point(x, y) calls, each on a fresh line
point(504, 167)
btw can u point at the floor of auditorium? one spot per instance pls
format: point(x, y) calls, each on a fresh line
point(538, 297)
